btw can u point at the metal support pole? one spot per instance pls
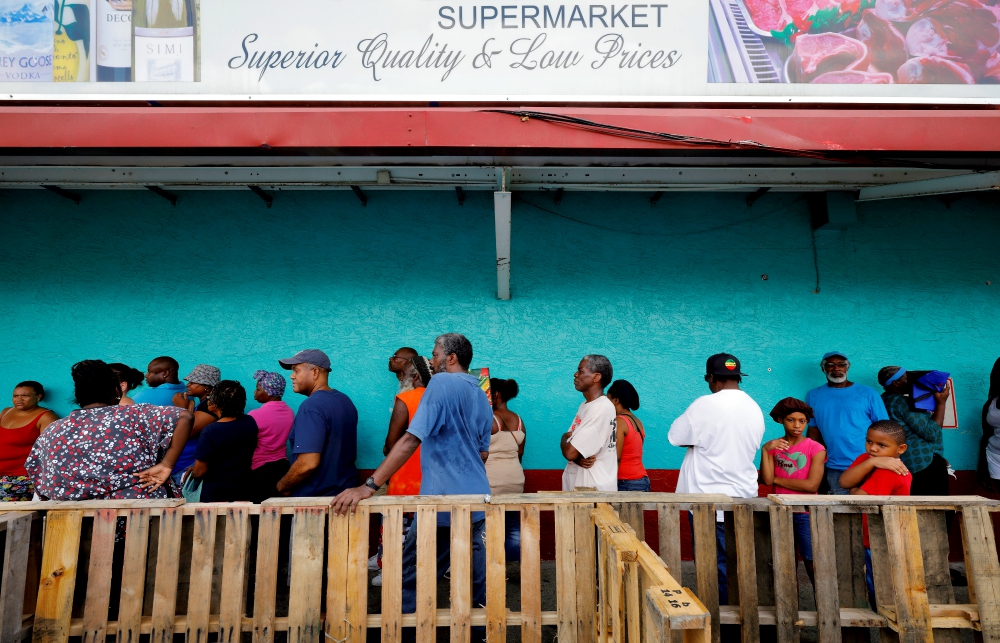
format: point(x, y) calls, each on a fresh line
point(55, 189)
point(361, 195)
point(268, 199)
point(501, 212)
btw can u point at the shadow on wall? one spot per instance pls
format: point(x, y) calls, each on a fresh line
point(221, 279)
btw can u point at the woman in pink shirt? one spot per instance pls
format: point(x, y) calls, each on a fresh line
point(274, 421)
point(794, 464)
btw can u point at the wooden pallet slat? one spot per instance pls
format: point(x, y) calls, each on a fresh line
point(982, 568)
point(746, 572)
point(786, 585)
point(234, 573)
point(907, 570)
point(496, 576)
point(98, 596)
point(426, 612)
point(825, 558)
point(304, 596)
point(167, 570)
point(58, 576)
point(461, 574)
point(586, 569)
point(266, 575)
point(392, 574)
point(357, 566)
point(566, 599)
point(133, 575)
point(531, 575)
point(705, 562)
point(200, 589)
point(15, 571)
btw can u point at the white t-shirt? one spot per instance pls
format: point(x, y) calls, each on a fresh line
point(594, 433)
point(722, 432)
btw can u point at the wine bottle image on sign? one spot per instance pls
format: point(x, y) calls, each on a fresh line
point(163, 44)
point(114, 41)
point(73, 43)
point(25, 40)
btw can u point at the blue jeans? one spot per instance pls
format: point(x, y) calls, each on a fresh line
point(870, 578)
point(409, 597)
point(512, 535)
point(720, 557)
point(833, 479)
point(639, 484)
point(803, 535)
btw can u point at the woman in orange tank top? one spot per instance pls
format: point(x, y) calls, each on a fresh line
point(406, 481)
point(632, 475)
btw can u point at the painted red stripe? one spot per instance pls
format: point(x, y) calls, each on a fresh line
point(382, 127)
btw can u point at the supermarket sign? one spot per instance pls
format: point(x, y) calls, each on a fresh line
point(867, 51)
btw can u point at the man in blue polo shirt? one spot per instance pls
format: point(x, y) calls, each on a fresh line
point(452, 428)
point(324, 436)
point(843, 412)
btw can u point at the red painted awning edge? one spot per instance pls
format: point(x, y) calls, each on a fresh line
point(821, 130)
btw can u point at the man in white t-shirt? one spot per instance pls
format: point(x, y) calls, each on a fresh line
point(589, 445)
point(722, 433)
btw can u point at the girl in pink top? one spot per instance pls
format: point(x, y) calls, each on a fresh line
point(274, 421)
point(794, 464)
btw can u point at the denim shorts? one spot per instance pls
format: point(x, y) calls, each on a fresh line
point(639, 484)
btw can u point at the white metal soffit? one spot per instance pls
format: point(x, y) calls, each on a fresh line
point(873, 182)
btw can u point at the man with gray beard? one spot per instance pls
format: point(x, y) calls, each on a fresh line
point(843, 412)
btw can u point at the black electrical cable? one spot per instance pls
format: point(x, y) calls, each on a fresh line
point(697, 141)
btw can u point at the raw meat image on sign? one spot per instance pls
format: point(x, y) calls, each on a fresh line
point(872, 42)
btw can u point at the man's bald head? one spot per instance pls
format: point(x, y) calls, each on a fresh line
point(400, 359)
point(162, 370)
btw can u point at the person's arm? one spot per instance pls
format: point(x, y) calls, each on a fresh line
point(485, 455)
point(181, 400)
point(620, 432)
point(856, 475)
point(568, 450)
point(939, 401)
point(201, 420)
point(681, 433)
point(766, 465)
point(155, 476)
point(920, 423)
point(47, 418)
point(817, 466)
point(520, 447)
point(398, 424)
point(301, 470)
point(814, 434)
point(199, 469)
point(405, 447)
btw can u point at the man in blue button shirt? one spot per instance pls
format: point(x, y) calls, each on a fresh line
point(452, 427)
point(843, 412)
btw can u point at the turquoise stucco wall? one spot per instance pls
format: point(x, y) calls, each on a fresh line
point(223, 280)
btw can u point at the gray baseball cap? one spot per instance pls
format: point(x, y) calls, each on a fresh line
point(312, 356)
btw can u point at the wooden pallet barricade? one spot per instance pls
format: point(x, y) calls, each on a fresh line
point(124, 569)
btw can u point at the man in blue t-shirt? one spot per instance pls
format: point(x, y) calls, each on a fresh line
point(161, 378)
point(452, 428)
point(324, 436)
point(843, 412)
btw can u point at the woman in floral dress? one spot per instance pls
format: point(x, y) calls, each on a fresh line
point(103, 450)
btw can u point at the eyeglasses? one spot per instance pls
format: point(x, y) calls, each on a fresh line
point(405, 359)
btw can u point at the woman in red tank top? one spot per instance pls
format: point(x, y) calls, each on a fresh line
point(630, 436)
point(20, 426)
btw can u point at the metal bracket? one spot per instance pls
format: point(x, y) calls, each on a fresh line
point(157, 190)
point(460, 194)
point(753, 198)
point(361, 195)
point(559, 196)
point(653, 199)
point(268, 199)
point(72, 196)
